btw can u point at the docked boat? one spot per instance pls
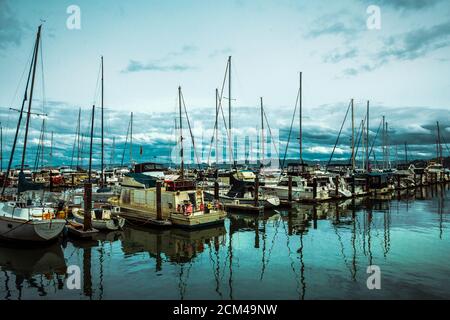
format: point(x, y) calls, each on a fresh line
point(300, 189)
point(404, 177)
point(22, 221)
point(243, 192)
point(29, 223)
point(182, 205)
point(436, 173)
point(101, 219)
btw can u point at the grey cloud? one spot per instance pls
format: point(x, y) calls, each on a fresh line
point(337, 56)
point(155, 131)
point(341, 23)
point(417, 43)
point(11, 29)
point(408, 46)
point(405, 4)
point(137, 66)
point(164, 64)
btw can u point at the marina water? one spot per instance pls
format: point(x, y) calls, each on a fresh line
point(305, 252)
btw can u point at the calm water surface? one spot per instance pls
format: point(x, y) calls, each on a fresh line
point(285, 254)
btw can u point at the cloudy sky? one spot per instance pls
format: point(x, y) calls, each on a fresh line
point(152, 47)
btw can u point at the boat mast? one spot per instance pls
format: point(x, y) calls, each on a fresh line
point(367, 137)
point(87, 221)
point(229, 112)
point(51, 149)
point(79, 140)
point(363, 139)
point(383, 142)
point(25, 98)
point(439, 144)
point(90, 145)
point(406, 152)
point(1, 148)
point(353, 138)
point(217, 126)
point(262, 132)
point(113, 151)
point(131, 139)
point(181, 134)
point(300, 121)
point(102, 182)
point(388, 154)
point(31, 99)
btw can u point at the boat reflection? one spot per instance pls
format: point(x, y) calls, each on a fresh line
point(178, 245)
point(41, 268)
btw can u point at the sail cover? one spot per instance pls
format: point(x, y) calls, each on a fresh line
point(25, 185)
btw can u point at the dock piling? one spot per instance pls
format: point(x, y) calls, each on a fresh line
point(87, 221)
point(216, 190)
point(290, 189)
point(158, 201)
point(257, 191)
point(314, 189)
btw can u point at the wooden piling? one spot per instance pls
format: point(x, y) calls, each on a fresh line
point(216, 190)
point(314, 189)
point(314, 217)
point(257, 191)
point(158, 201)
point(290, 189)
point(398, 182)
point(353, 185)
point(51, 180)
point(336, 183)
point(87, 221)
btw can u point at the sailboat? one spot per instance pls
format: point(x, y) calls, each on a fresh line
point(25, 221)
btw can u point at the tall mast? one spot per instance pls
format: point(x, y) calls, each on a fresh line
point(229, 111)
point(113, 151)
point(101, 170)
point(25, 98)
point(30, 100)
point(353, 138)
point(262, 131)
point(217, 127)
point(1, 148)
point(388, 155)
point(51, 149)
point(383, 146)
point(439, 144)
point(363, 134)
point(78, 138)
point(300, 119)
point(131, 139)
point(367, 137)
point(181, 134)
point(90, 145)
point(43, 143)
point(406, 152)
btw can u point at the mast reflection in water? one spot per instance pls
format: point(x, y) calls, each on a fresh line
point(307, 252)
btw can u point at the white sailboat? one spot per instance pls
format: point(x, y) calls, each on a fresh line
point(29, 223)
point(23, 221)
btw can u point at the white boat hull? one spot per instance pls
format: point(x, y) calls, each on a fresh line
point(30, 231)
point(112, 224)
